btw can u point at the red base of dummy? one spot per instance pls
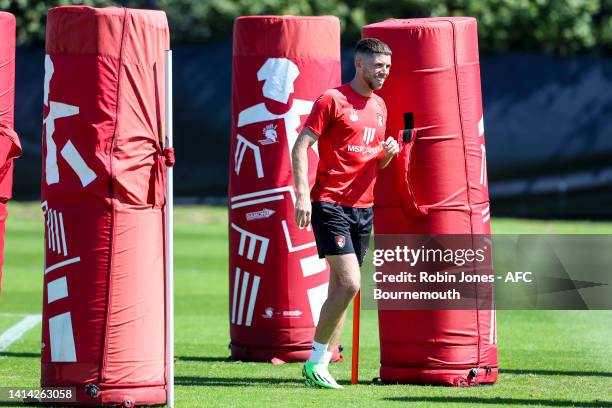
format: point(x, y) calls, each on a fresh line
point(444, 376)
point(124, 397)
point(263, 354)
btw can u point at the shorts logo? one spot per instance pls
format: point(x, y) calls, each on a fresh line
point(353, 115)
point(340, 241)
point(368, 135)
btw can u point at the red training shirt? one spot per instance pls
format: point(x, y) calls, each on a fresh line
point(351, 130)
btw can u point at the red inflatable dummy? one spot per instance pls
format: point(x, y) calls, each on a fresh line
point(277, 281)
point(103, 198)
point(9, 142)
point(437, 185)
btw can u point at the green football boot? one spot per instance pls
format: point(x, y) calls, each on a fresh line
point(317, 375)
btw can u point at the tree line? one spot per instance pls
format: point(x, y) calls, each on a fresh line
point(557, 27)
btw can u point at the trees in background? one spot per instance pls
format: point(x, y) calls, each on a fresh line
point(551, 26)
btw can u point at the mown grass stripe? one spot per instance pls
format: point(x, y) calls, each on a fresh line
point(15, 332)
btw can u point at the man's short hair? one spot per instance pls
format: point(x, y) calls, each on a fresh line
point(371, 46)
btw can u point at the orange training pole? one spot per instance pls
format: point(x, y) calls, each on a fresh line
point(355, 352)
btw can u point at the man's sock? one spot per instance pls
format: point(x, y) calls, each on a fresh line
point(319, 354)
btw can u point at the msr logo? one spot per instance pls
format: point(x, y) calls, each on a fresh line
point(368, 135)
point(354, 148)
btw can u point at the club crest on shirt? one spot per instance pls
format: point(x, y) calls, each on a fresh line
point(379, 118)
point(353, 115)
point(340, 241)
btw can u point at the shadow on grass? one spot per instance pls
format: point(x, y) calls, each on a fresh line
point(204, 359)
point(22, 355)
point(233, 381)
point(504, 401)
point(558, 372)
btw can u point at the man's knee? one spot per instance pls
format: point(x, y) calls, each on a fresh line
point(345, 275)
point(347, 289)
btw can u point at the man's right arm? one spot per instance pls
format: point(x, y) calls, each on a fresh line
point(299, 159)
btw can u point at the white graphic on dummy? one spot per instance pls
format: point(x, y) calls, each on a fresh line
point(290, 246)
point(278, 75)
point(61, 335)
point(238, 305)
point(260, 215)
point(316, 298)
point(263, 196)
point(292, 313)
point(235, 296)
point(253, 240)
point(57, 111)
point(56, 234)
point(270, 135)
point(57, 289)
point(311, 265)
point(62, 264)
point(241, 146)
point(61, 338)
point(268, 313)
point(485, 214)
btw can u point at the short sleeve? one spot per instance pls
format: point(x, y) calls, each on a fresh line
point(323, 111)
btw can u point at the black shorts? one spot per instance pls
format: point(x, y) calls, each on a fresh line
point(341, 230)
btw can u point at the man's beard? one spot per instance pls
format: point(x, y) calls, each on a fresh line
point(373, 84)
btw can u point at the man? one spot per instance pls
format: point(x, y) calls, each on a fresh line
point(349, 124)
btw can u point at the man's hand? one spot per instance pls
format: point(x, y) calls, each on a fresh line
point(303, 211)
point(391, 147)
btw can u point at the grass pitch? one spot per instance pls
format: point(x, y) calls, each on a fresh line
point(547, 358)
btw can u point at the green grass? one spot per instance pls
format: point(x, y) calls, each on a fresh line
point(547, 358)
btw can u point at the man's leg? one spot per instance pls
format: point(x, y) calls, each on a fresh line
point(334, 342)
point(363, 219)
point(332, 226)
point(335, 338)
point(344, 285)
